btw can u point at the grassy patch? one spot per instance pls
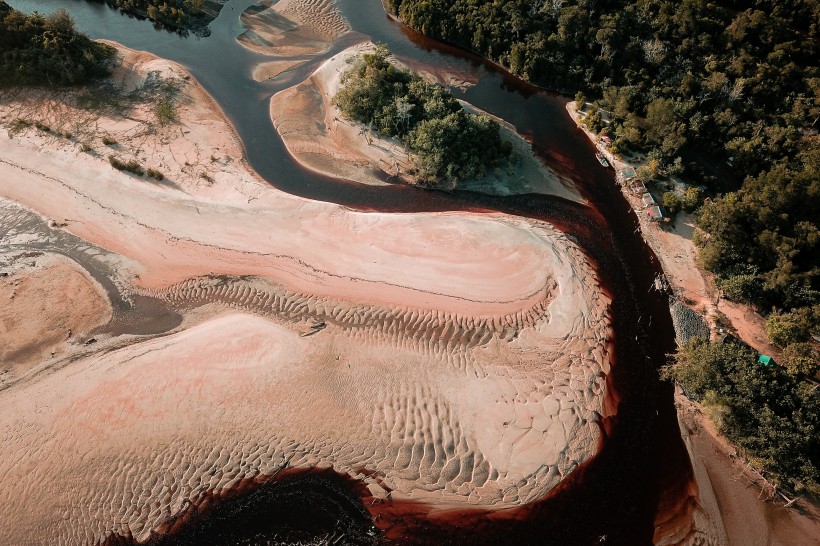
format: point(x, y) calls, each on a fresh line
point(19, 125)
point(131, 166)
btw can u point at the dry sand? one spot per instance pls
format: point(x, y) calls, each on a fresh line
point(318, 136)
point(48, 303)
point(454, 358)
point(291, 28)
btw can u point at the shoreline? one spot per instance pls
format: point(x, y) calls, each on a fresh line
point(712, 455)
point(319, 138)
point(395, 323)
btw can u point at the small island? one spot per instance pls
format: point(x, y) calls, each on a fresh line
point(446, 143)
point(344, 122)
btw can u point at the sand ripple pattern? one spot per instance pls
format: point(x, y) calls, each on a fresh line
point(292, 27)
point(453, 410)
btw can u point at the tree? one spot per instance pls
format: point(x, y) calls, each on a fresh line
point(801, 359)
point(692, 198)
point(670, 201)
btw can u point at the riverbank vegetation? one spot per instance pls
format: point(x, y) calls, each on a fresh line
point(447, 143)
point(770, 413)
point(48, 51)
point(180, 15)
point(725, 94)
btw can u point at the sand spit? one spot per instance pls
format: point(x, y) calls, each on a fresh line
point(317, 135)
point(291, 28)
point(451, 358)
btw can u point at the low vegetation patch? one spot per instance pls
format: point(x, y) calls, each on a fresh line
point(770, 412)
point(154, 173)
point(448, 144)
point(131, 166)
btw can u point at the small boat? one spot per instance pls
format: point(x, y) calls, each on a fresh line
point(601, 159)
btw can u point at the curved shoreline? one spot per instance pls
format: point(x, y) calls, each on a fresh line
point(318, 137)
point(520, 393)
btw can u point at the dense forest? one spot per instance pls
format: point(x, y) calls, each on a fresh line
point(448, 144)
point(47, 50)
point(701, 88)
point(767, 411)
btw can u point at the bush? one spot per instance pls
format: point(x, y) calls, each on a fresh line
point(165, 111)
point(19, 125)
point(670, 202)
point(153, 173)
point(131, 165)
point(116, 162)
point(109, 140)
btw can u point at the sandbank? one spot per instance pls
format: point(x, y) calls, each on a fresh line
point(319, 138)
point(457, 359)
point(289, 28)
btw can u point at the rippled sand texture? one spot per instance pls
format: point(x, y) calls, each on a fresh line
point(292, 27)
point(453, 358)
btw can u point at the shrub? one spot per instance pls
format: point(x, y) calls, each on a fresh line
point(692, 198)
point(165, 111)
point(18, 125)
point(116, 162)
point(670, 202)
point(131, 165)
point(153, 173)
point(108, 140)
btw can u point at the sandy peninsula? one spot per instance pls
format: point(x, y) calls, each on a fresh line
point(453, 358)
point(318, 136)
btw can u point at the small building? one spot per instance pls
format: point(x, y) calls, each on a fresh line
point(648, 200)
point(637, 186)
point(655, 214)
point(606, 140)
point(765, 360)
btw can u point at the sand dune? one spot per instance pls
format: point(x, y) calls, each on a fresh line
point(292, 27)
point(454, 358)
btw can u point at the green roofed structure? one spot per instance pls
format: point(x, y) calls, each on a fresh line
point(765, 360)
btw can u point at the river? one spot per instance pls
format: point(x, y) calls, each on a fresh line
point(642, 464)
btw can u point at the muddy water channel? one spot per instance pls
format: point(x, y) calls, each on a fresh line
point(642, 467)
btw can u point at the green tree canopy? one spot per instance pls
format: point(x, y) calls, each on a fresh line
point(449, 144)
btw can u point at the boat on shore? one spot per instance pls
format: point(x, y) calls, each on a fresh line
point(601, 159)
